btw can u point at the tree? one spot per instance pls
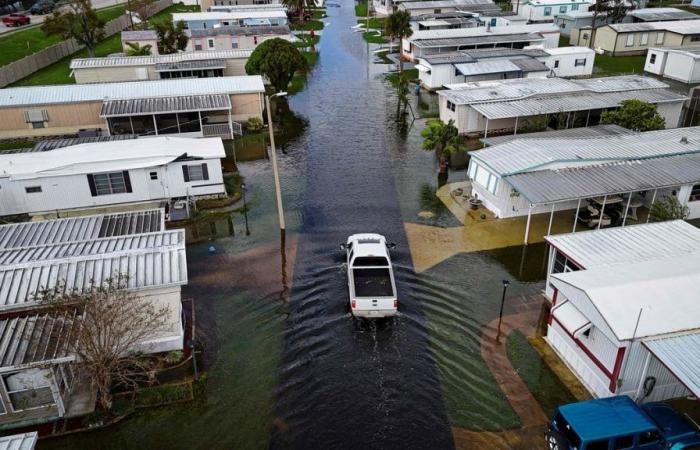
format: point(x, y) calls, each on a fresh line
point(296, 6)
point(77, 20)
point(113, 324)
point(443, 138)
point(135, 49)
point(171, 37)
point(668, 208)
point(636, 115)
point(398, 26)
point(278, 60)
point(614, 10)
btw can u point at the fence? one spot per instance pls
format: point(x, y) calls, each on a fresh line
point(26, 66)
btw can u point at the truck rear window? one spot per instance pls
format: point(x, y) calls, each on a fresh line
point(564, 428)
point(372, 283)
point(368, 261)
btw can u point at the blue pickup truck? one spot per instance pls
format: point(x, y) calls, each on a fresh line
point(617, 423)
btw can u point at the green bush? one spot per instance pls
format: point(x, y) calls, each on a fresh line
point(254, 124)
point(173, 357)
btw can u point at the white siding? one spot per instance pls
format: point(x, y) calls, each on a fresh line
point(667, 386)
point(657, 67)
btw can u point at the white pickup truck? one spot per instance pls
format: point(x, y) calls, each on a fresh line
point(370, 276)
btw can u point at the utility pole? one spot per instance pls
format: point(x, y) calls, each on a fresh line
point(500, 314)
point(273, 157)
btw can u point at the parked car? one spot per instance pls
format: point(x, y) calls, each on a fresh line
point(619, 423)
point(15, 20)
point(370, 276)
point(42, 7)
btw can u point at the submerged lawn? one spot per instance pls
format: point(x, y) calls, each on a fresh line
point(607, 65)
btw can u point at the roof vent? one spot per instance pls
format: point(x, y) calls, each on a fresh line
point(684, 140)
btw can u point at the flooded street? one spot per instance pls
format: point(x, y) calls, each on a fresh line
point(287, 365)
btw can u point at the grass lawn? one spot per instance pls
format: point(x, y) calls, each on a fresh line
point(315, 25)
point(410, 74)
point(545, 386)
point(307, 41)
point(617, 65)
point(372, 38)
point(15, 145)
point(165, 14)
point(59, 72)
point(361, 9)
point(375, 23)
point(17, 45)
point(563, 41)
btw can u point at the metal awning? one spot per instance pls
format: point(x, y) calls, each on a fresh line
point(571, 318)
point(552, 186)
point(681, 356)
point(139, 106)
point(202, 64)
point(487, 67)
point(566, 102)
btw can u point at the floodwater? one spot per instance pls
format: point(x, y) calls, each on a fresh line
point(287, 365)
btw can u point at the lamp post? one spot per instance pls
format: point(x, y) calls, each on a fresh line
point(500, 313)
point(275, 172)
point(245, 210)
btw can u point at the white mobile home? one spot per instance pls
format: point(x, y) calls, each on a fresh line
point(578, 19)
point(530, 176)
point(547, 10)
point(676, 63)
point(430, 42)
point(625, 316)
point(265, 17)
point(110, 174)
point(419, 8)
point(386, 7)
point(496, 107)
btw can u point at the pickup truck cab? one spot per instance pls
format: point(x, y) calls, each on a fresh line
point(370, 276)
point(15, 20)
point(619, 423)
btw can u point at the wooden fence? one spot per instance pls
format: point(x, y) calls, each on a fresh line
point(26, 66)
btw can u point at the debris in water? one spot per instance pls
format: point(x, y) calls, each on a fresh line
point(426, 214)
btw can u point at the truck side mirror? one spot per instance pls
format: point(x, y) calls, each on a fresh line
point(391, 245)
point(343, 247)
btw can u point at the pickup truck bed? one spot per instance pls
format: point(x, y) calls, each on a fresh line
point(372, 283)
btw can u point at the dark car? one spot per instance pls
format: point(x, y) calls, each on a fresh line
point(619, 423)
point(42, 7)
point(15, 20)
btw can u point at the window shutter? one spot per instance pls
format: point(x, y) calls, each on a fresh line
point(186, 173)
point(127, 181)
point(91, 182)
point(205, 172)
point(26, 117)
point(45, 115)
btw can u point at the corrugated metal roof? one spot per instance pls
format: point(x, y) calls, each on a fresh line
point(522, 155)
point(551, 186)
point(481, 31)
point(681, 27)
point(191, 65)
point(569, 101)
point(664, 289)
point(477, 40)
point(122, 61)
point(690, 50)
point(681, 355)
point(37, 339)
point(629, 244)
point(278, 13)
point(24, 441)
point(660, 14)
point(211, 102)
point(487, 67)
point(260, 30)
point(447, 4)
point(22, 284)
point(530, 65)
point(583, 132)
point(53, 144)
point(84, 228)
point(73, 93)
point(92, 246)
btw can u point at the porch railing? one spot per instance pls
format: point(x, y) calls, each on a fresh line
point(216, 129)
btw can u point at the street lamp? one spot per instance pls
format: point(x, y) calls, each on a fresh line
point(500, 314)
point(245, 210)
point(278, 190)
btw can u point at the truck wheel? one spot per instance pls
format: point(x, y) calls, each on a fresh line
point(555, 440)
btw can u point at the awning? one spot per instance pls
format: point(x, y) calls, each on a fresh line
point(487, 67)
point(190, 103)
point(201, 64)
point(571, 318)
point(681, 356)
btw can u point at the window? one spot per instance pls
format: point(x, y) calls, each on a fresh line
point(109, 183)
point(210, 43)
point(556, 63)
point(652, 58)
point(623, 443)
point(630, 40)
point(197, 172)
point(437, 11)
point(37, 124)
point(598, 445)
point(644, 39)
point(29, 389)
point(370, 261)
point(695, 38)
point(660, 37)
point(32, 189)
point(153, 175)
point(494, 21)
point(570, 435)
point(36, 117)
point(695, 193)
point(450, 105)
point(562, 264)
point(197, 47)
point(548, 11)
point(580, 62)
point(574, 7)
point(234, 44)
point(649, 438)
point(562, 9)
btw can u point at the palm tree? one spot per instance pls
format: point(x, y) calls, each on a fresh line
point(443, 138)
point(398, 26)
point(296, 5)
point(137, 50)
